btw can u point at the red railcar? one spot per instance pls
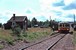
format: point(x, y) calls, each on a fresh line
point(64, 27)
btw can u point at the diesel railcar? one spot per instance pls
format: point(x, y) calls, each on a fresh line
point(65, 27)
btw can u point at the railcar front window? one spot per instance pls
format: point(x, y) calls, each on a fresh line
point(67, 25)
point(60, 25)
point(64, 25)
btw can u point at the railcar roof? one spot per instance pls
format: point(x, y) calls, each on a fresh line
point(63, 22)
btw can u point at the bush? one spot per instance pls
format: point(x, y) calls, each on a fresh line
point(24, 34)
point(17, 31)
point(10, 42)
point(0, 24)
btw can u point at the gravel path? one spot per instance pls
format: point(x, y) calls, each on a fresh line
point(64, 44)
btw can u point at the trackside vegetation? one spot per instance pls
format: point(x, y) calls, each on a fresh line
point(32, 34)
point(35, 33)
point(74, 37)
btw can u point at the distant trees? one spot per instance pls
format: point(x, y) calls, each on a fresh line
point(40, 23)
point(29, 23)
point(0, 24)
point(54, 24)
point(34, 22)
point(46, 23)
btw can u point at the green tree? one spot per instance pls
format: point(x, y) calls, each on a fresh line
point(34, 22)
point(29, 23)
point(46, 23)
point(54, 24)
point(40, 23)
point(0, 24)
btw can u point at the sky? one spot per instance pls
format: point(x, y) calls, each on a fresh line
point(42, 10)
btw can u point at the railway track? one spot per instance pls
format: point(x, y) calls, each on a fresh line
point(44, 44)
point(65, 43)
point(55, 43)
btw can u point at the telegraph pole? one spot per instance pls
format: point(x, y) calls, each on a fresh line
point(50, 21)
point(50, 18)
point(74, 18)
point(74, 22)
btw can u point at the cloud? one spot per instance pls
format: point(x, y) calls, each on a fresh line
point(61, 3)
point(68, 2)
point(58, 13)
point(71, 6)
point(65, 19)
point(3, 19)
point(41, 18)
point(41, 9)
point(70, 16)
point(28, 11)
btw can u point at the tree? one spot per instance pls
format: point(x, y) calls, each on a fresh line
point(46, 23)
point(40, 23)
point(34, 22)
point(0, 24)
point(54, 24)
point(29, 23)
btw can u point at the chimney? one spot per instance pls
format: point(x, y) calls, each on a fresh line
point(13, 16)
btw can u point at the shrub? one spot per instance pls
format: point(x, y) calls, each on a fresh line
point(10, 42)
point(17, 31)
point(24, 34)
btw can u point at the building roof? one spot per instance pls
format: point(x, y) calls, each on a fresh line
point(18, 18)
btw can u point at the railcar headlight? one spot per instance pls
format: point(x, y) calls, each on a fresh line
point(67, 29)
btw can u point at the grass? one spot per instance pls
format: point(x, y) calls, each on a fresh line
point(74, 37)
point(1, 46)
point(31, 35)
point(37, 33)
point(5, 35)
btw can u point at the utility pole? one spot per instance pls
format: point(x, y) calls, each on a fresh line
point(50, 21)
point(74, 18)
point(50, 18)
point(74, 22)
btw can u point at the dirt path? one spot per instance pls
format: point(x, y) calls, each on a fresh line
point(64, 44)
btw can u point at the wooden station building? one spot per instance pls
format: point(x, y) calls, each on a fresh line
point(19, 20)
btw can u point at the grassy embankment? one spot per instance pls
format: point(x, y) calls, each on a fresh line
point(32, 34)
point(5, 36)
point(74, 37)
point(37, 33)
